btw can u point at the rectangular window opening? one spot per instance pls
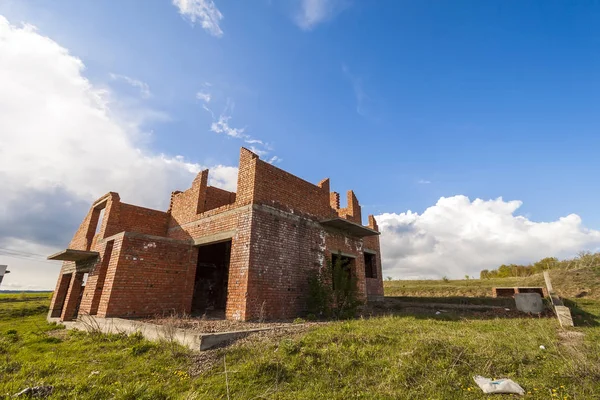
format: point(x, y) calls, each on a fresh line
point(100, 220)
point(370, 265)
point(346, 263)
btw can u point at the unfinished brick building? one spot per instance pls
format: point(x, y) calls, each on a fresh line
point(245, 254)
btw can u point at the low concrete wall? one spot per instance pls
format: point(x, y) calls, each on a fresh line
point(192, 339)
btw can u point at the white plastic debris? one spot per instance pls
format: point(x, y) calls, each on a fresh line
point(507, 309)
point(437, 313)
point(542, 347)
point(498, 386)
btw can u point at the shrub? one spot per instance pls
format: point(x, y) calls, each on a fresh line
point(333, 291)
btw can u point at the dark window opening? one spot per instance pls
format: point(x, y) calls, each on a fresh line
point(212, 277)
point(346, 264)
point(370, 265)
point(95, 224)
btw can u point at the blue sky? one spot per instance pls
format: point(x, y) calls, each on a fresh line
point(403, 101)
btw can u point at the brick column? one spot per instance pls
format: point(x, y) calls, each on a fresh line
point(72, 297)
point(101, 277)
point(58, 299)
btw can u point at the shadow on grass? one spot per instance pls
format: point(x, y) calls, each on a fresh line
point(505, 302)
point(581, 317)
point(452, 308)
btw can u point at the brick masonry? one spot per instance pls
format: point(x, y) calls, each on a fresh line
point(148, 258)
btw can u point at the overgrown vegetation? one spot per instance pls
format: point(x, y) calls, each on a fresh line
point(332, 291)
point(583, 260)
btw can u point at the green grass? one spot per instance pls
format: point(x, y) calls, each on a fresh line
point(79, 365)
point(403, 356)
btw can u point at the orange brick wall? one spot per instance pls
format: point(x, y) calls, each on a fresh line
point(278, 188)
point(374, 285)
point(153, 276)
point(147, 261)
point(284, 248)
point(216, 197)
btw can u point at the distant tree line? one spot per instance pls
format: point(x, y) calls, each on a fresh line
point(583, 260)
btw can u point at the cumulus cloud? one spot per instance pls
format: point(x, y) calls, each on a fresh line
point(458, 237)
point(314, 12)
point(204, 12)
point(62, 146)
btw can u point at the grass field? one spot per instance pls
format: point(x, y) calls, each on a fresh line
point(407, 355)
point(567, 283)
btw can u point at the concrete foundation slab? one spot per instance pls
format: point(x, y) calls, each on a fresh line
point(187, 337)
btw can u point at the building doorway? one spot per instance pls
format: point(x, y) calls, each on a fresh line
point(212, 278)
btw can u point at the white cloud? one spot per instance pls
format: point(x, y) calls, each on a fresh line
point(457, 237)
point(62, 146)
point(423, 182)
point(204, 96)
point(258, 151)
point(314, 12)
point(203, 11)
point(274, 160)
point(222, 126)
point(141, 86)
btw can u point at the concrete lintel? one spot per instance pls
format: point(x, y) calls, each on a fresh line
point(144, 236)
point(344, 254)
point(365, 250)
point(350, 227)
point(73, 255)
point(215, 238)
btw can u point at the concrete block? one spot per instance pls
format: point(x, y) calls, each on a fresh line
point(529, 302)
point(564, 316)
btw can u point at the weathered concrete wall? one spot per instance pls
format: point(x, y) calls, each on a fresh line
point(529, 302)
